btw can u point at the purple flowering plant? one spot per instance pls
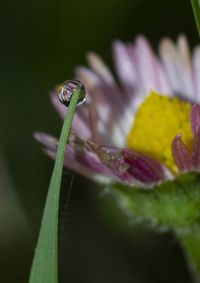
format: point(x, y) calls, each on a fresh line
point(142, 131)
point(138, 136)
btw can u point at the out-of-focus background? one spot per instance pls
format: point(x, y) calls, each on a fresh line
point(41, 43)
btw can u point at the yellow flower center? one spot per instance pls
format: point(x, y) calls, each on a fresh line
point(158, 120)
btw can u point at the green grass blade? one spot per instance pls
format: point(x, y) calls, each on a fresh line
point(196, 10)
point(44, 267)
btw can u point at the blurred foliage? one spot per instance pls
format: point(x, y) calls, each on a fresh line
point(41, 43)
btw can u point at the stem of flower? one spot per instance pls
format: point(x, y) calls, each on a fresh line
point(44, 268)
point(190, 241)
point(196, 10)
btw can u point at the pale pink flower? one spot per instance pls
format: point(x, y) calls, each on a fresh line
point(98, 142)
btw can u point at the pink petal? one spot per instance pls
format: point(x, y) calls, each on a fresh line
point(113, 158)
point(79, 168)
point(143, 168)
point(125, 68)
point(150, 72)
point(196, 72)
point(107, 80)
point(177, 62)
point(195, 118)
point(109, 114)
point(181, 154)
point(196, 150)
point(100, 68)
point(186, 66)
point(79, 160)
point(46, 140)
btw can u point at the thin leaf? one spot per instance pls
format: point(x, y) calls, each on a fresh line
point(196, 10)
point(44, 268)
point(190, 241)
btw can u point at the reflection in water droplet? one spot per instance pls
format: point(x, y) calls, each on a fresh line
point(67, 89)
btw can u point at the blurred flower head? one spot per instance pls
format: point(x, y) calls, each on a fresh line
point(143, 128)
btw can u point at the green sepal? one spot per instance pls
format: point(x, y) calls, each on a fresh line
point(171, 204)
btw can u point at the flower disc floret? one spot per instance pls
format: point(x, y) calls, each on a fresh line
point(158, 120)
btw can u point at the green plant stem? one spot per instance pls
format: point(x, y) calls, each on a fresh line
point(196, 10)
point(44, 267)
point(190, 241)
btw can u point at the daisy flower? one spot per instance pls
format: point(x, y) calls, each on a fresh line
point(140, 134)
point(142, 128)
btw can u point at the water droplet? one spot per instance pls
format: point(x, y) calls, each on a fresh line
point(67, 89)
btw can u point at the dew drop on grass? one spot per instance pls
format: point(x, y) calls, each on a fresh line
point(66, 91)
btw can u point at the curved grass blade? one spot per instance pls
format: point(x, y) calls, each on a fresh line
point(44, 267)
point(196, 10)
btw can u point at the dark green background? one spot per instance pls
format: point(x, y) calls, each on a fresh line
point(41, 43)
